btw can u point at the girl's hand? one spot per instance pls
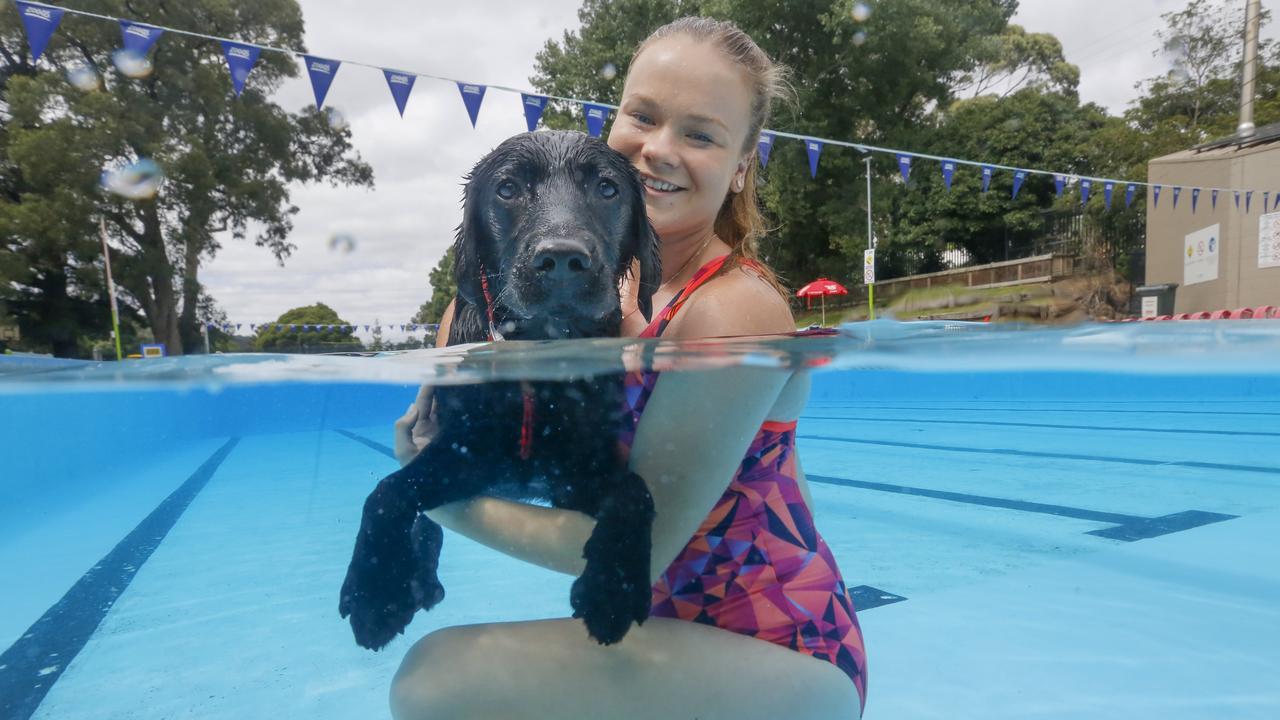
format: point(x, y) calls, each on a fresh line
point(417, 426)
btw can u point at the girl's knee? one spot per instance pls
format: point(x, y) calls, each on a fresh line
point(431, 681)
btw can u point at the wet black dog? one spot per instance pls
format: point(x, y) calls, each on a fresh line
point(551, 222)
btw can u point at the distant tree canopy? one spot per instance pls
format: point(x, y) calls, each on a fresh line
point(443, 289)
point(271, 340)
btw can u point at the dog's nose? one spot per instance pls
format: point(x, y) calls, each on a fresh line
point(561, 260)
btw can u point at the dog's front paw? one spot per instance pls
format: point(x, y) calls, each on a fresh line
point(428, 537)
point(608, 597)
point(377, 594)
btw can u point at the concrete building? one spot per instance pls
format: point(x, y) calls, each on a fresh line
point(1221, 258)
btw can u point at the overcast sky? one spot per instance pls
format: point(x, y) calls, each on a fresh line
point(403, 226)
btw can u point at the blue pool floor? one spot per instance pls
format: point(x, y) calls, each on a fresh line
point(979, 514)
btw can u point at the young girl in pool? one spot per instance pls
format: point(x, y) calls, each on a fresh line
point(750, 617)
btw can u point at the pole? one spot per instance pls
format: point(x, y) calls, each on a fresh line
point(111, 288)
point(871, 287)
point(204, 332)
point(824, 310)
point(1248, 83)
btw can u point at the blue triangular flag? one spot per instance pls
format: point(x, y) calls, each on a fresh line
point(472, 96)
point(279, 328)
point(1213, 198)
point(596, 115)
point(240, 60)
point(1018, 178)
point(1108, 188)
point(948, 169)
point(533, 107)
point(139, 38)
point(1248, 198)
point(321, 72)
point(904, 167)
point(1266, 200)
point(987, 172)
point(293, 327)
point(1195, 199)
point(1177, 191)
point(1155, 195)
point(814, 148)
point(764, 147)
point(401, 85)
point(1085, 185)
point(366, 328)
point(40, 22)
point(1059, 182)
point(1277, 205)
point(1237, 192)
point(1129, 192)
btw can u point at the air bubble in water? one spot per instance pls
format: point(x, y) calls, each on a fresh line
point(337, 120)
point(138, 181)
point(342, 242)
point(82, 77)
point(609, 71)
point(859, 38)
point(861, 11)
point(131, 64)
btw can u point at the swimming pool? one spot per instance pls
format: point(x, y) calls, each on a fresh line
point(1036, 524)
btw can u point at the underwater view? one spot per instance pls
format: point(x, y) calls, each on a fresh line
point(1047, 510)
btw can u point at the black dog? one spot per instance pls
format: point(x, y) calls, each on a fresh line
point(551, 223)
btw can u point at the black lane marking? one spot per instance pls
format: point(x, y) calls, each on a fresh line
point(1098, 428)
point(1125, 527)
point(1039, 410)
point(30, 667)
point(370, 443)
point(1056, 456)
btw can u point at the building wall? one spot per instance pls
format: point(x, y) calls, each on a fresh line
point(1240, 283)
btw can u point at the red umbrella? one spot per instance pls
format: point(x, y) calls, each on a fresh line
point(821, 288)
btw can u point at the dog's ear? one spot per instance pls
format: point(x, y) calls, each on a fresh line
point(646, 251)
point(466, 249)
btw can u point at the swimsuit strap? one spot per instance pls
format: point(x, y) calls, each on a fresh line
point(705, 273)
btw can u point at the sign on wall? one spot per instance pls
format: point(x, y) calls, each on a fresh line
point(1269, 241)
point(1200, 256)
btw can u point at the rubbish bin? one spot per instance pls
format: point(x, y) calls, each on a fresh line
point(1156, 300)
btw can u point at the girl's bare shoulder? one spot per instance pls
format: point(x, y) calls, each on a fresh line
point(739, 302)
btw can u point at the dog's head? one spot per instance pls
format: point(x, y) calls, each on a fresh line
point(551, 222)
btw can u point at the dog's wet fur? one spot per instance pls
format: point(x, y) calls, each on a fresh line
point(551, 223)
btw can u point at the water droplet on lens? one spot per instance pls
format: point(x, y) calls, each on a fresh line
point(138, 181)
point(859, 38)
point(131, 64)
point(337, 120)
point(609, 71)
point(861, 11)
point(82, 77)
point(342, 242)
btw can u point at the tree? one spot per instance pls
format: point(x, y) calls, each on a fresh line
point(227, 161)
point(270, 339)
point(1017, 59)
point(443, 290)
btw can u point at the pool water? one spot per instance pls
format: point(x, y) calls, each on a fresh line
point(1050, 524)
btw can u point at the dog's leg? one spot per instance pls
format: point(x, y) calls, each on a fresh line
point(393, 567)
point(614, 588)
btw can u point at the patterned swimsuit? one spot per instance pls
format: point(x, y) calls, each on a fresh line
point(756, 565)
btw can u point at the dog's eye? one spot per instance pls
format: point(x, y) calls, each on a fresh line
point(507, 190)
point(608, 189)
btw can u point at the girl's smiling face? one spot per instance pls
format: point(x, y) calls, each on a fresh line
point(683, 122)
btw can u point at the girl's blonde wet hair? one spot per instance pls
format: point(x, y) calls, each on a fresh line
point(740, 223)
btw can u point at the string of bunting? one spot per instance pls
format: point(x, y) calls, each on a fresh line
point(41, 20)
point(230, 328)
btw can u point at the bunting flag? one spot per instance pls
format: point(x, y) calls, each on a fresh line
point(596, 115)
point(40, 22)
point(1018, 177)
point(240, 60)
point(472, 96)
point(1177, 191)
point(1213, 200)
point(1277, 205)
point(814, 148)
point(139, 38)
point(533, 107)
point(321, 72)
point(948, 170)
point(1248, 198)
point(1108, 187)
point(1059, 182)
point(1195, 198)
point(904, 167)
point(987, 172)
point(1155, 195)
point(1266, 200)
point(1237, 199)
point(1129, 192)
point(401, 85)
point(764, 147)
point(1085, 185)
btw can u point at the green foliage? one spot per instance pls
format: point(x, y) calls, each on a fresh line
point(284, 340)
point(443, 290)
point(227, 161)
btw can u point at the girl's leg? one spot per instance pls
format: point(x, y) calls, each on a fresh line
point(667, 669)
